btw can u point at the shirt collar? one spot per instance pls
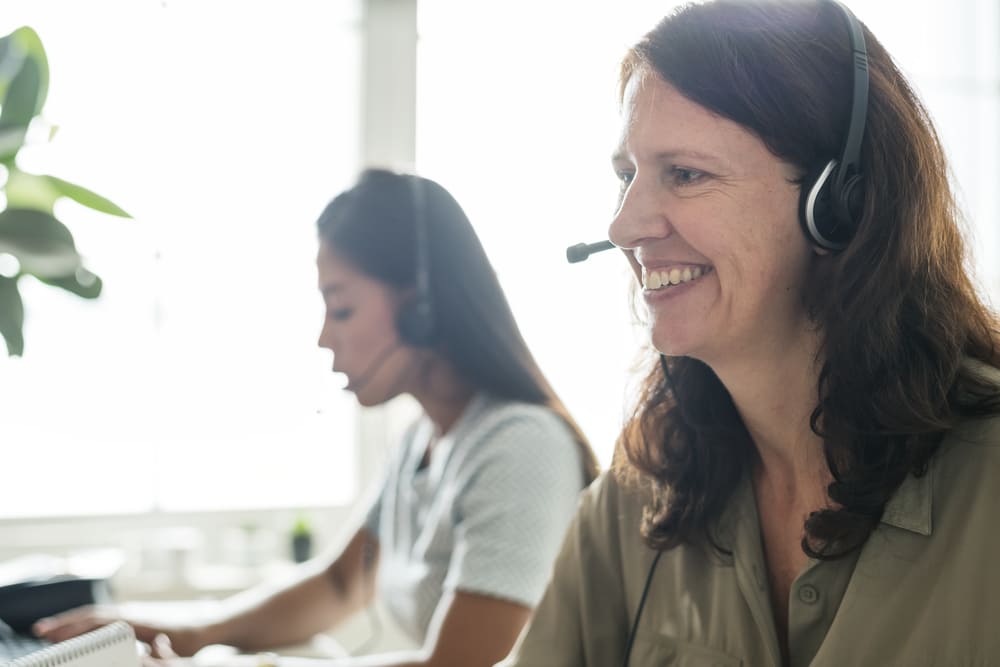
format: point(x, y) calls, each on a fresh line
point(910, 507)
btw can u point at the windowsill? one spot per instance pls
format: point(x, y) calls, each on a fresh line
point(209, 582)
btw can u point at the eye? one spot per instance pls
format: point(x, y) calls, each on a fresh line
point(624, 178)
point(339, 314)
point(684, 176)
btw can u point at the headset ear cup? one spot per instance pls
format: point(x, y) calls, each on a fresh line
point(852, 201)
point(824, 215)
point(815, 211)
point(415, 322)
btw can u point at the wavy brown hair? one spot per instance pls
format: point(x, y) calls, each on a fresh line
point(898, 313)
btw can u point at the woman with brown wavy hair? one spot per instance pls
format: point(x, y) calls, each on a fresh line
point(812, 472)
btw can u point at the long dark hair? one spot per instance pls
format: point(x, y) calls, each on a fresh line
point(898, 314)
point(373, 225)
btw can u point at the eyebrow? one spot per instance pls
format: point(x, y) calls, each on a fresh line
point(670, 155)
point(332, 288)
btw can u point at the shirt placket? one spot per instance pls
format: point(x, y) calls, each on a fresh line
point(813, 601)
point(751, 575)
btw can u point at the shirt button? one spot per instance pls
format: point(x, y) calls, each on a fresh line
point(808, 594)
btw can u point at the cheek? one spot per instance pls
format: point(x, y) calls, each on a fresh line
point(769, 244)
point(373, 337)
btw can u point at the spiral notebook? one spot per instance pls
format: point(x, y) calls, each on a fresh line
point(110, 646)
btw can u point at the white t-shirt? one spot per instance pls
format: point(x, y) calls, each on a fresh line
point(486, 516)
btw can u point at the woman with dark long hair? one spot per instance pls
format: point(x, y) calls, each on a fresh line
point(812, 470)
point(480, 492)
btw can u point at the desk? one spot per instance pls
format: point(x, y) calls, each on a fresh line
point(310, 654)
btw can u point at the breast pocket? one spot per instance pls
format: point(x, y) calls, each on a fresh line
point(654, 650)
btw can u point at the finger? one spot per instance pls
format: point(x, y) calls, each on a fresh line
point(146, 633)
point(63, 631)
point(161, 647)
point(75, 621)
point(74, 615)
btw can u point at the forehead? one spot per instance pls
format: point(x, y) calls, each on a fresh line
point(337, 275)
point(657, 119)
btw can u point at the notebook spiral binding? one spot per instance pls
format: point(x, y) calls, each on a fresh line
point(77, 647)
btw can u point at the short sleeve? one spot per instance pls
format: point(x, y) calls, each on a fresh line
point(582, 618)
point(520, 490)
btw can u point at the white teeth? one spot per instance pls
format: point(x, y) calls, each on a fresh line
point(653, 280)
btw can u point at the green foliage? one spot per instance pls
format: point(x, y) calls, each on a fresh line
point(301, 527)
point(40, 243)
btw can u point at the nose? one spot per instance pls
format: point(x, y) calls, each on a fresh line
point(642, 215)
point(325, 339)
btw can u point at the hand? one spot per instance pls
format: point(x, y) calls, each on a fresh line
point(161, 654)
point(180, 641)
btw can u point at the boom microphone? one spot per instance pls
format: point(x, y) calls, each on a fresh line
point(372, 368)
point(581, 251)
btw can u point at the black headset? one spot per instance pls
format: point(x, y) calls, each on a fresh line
point(833, 195)
point(415, 319)
point(828, 210)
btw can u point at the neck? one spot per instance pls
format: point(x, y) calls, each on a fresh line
point(775, 392)
point(442, 394)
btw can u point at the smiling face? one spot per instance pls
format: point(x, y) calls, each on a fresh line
point(708, 218)
point(360, 329)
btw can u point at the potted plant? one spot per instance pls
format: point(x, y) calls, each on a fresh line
point(32, 240)
point(301, 540)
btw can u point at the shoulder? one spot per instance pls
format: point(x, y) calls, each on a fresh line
point(965, 475)
point(973, 443)
point(509, 428)
point(611, 509)
point(494, 412)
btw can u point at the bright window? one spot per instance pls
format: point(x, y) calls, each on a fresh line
point(224, 127)
point(194, 382)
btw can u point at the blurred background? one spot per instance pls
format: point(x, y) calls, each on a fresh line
point(177, 431)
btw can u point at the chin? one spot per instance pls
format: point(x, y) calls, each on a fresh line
point(366, 401)
point(374, 397)
point(675, 346)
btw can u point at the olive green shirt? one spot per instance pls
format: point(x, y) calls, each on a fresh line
point(923, 590)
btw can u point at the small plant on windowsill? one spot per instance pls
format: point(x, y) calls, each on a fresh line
point(32, 240)
point(302, 540)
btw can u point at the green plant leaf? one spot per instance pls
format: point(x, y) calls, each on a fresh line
point(26, 190)
point(82, 282)
point(42, 244)
point(84, 196)
point(31, 45)
point(10, 62)
point(19, 104)
point(11, 316)
point(11, 141)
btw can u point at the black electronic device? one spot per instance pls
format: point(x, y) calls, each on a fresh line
point(415, 319)
point(833, 195)
point(581, 251)
point(23, 603)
